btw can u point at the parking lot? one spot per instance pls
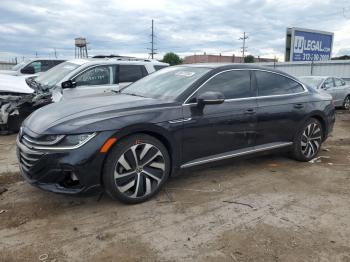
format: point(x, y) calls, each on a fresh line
point(267, 208)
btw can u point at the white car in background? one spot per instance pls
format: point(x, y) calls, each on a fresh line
point(335, 86)
point(31, 67)
point(20, 96)
point(91, 77)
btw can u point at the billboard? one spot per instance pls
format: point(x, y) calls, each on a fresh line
point(308, 45)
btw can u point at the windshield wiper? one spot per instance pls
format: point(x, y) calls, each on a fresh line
point(133, 94)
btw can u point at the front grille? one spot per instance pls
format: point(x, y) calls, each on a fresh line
point(28, 157)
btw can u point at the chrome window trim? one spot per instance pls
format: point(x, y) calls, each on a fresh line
point(58, 148)
point(253, 97)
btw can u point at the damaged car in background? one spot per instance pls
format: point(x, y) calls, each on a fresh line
point(20, 96)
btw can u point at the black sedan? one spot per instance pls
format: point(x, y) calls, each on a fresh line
point(129, 143)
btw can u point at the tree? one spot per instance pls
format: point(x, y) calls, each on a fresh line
point(344, 57)
point(172, 59)
point(249, 59)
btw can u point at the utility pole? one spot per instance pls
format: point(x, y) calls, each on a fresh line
point(55, 52)
point(152, 53)
point(243, 48)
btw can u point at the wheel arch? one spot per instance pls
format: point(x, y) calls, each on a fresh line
point(321, 118)
point(155, 131)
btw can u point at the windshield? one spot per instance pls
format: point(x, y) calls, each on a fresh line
point(312, 81)
point(56, 74)
point(19, 66)
point(167, 83)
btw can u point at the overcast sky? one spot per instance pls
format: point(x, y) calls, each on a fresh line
point(184, 27)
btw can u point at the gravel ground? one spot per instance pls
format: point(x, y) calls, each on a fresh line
point(267, 208)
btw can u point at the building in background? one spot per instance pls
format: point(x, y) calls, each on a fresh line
point(308, 45)
point(204, 58)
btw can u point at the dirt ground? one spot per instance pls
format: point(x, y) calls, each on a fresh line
point(267, 208)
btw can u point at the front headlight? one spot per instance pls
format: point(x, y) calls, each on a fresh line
point(58, 142)
point(75, 140)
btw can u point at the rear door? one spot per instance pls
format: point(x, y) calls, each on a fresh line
point(94, 81)
point(342, 91)
point(281, 107)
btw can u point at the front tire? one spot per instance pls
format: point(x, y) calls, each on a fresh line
point(308, 141)
point(136, 169)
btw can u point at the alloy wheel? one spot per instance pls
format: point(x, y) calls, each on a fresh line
point(311, 140)
point(139, 170)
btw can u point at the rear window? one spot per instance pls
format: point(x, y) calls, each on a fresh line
point(158, 67)
point(275, 84)
point(131, 73)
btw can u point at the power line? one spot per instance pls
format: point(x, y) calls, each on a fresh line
point(243, 48)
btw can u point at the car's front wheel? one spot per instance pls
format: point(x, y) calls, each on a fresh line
point(308, 140)
point(346, 103)
point(136, 169)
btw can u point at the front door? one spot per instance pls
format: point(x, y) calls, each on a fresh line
point(221, 128)
point(95, 81)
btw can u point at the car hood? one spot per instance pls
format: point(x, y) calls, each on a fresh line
point(75, 115)
point(14, 84)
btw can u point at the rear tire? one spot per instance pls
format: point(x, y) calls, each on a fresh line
point(346, 103)
point(136, 169)
point(308, 141)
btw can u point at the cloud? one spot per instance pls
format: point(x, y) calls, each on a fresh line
point(185, 27)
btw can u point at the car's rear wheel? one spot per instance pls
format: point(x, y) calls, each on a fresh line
point(136, 169)
point(308, 141)
point(346, 104)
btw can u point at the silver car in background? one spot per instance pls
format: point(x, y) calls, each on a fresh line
point(31, 67)
point(337, 87)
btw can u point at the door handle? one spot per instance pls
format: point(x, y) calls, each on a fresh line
point(298, 106)
point(250, 111)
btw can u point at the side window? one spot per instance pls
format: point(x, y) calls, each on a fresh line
point(328, 83)
point(36, 65)
point(99, 75)
point(46, 65)
point(130, 73)
point(232, 84)
point(338, 82)
point(275, 84)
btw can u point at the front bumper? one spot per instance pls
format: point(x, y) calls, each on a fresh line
point(73, 172)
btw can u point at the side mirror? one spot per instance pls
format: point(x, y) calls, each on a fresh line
point(210, 98)
point(68, 84)
point(29, 70)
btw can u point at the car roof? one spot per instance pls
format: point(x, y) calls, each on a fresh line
point(97, 61)
point(44, 58)
point(222, 66)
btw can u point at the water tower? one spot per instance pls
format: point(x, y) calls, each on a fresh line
point(81, 47)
